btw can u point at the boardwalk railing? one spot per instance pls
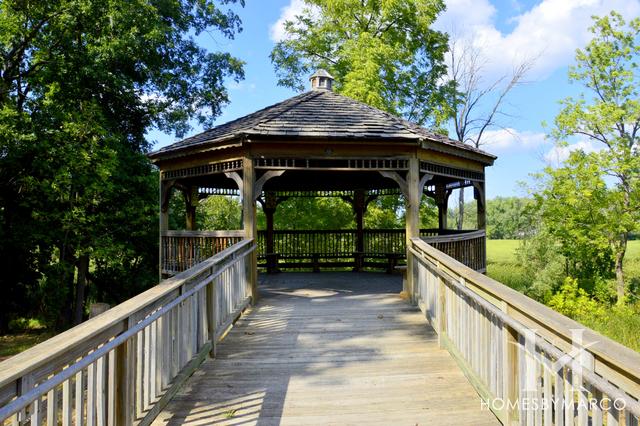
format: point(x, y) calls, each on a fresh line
point(381, 248)
point(530, 364)
point(183, 249)
point(123, 366)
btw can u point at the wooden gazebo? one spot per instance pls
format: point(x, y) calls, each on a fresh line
point(320, 143)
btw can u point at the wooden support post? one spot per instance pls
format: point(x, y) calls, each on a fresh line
point(412, 217)
point(479, 195)
point(249, 222)
point(269, 208)
point(165, 195)
point(191, 203)
point(442, 200)
point(359, 206)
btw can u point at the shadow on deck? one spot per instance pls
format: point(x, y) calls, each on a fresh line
point(329, 348)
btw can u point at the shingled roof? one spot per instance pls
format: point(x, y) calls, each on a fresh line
point(316, 114)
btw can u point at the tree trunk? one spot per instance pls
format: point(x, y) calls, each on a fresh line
point(83, 271)
point(461, 209)
point(620, 249)
point(66, 260)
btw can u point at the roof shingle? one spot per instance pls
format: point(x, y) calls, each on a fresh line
point(317, 114)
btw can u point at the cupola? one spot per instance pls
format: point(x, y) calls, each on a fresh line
point(321, 80)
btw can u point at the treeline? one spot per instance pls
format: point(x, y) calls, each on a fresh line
point(81, 83)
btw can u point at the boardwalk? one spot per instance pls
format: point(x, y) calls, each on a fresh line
point(329, 348)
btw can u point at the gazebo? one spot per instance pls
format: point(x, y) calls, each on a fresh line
point(320, 143)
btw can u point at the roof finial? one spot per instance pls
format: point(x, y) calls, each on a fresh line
point(321, 80)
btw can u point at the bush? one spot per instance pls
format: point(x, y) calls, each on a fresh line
point(575, 302)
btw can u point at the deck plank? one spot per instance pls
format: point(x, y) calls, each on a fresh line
point(329, 348)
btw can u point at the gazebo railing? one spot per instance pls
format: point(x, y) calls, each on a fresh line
point(183, 249)
point(381, 248)
point(316, 249)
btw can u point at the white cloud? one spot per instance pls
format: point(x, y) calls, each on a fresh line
point(242, 85)
point(502, 140)
point(277, 31)
point(558, 154)
point(549, 31)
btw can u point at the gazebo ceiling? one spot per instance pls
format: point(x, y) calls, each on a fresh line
point(314, 180)
point(318, 115)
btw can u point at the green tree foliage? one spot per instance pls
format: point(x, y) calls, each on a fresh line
point(216, 212)
point(385, 212)
point(507, 218)
point(81, 82)
point(469, 214)
point(314, 213)
point(383, 53)
point(600, 209)
point(219, 212)
point(574, 205)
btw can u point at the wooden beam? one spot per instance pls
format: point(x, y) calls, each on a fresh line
point(423, 181)
point(263, 179)
point(398, 179)
point(237, 179)
point(479, 195)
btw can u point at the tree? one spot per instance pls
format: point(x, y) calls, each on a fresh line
point(478, 105)
point(508, 218)
point(383, 53)
point(574, 205)
point(81, 82)
point(607, 114)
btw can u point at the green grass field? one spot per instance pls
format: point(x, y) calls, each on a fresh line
point(620, 325)
point(503, 252)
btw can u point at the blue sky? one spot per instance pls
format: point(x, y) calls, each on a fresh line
point(504, 31)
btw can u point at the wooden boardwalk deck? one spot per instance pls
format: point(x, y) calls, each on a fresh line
point(329, 348)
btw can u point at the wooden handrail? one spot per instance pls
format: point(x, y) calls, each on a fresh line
point(216, 234)
point(201, 296)
point(495, 318)
point(462, 236)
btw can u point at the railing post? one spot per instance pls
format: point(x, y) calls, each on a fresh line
point(412, 219)
point(212, 306)
point(125, 382)
point(442, 311)
point(249, 222)
point(510, 372)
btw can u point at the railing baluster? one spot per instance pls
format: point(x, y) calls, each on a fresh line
point(111, 388)
point(100, 392)
point(80, 398)
point(66, 403)
point(91, 395)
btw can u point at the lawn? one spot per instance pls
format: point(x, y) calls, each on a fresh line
point(12, 344)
